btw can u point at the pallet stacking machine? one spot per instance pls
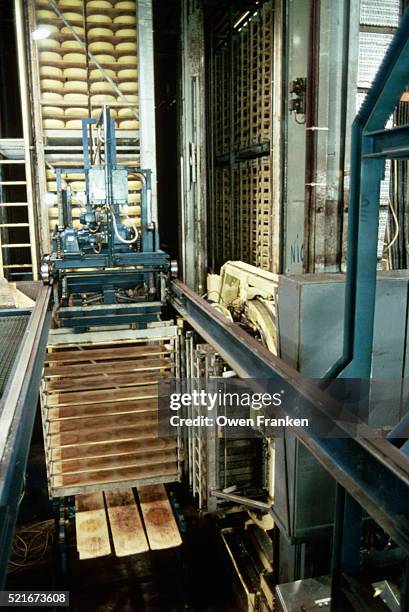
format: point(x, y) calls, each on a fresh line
point(105, 271)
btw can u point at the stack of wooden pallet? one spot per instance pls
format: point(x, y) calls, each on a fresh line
point(100, 414)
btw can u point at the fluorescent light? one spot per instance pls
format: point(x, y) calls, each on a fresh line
point(40, 33)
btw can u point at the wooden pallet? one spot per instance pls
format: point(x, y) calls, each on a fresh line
point(100, 414)
point(134, 530)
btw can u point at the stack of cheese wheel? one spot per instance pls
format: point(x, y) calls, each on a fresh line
point(74, 64)
point(100, 44)
point(133, 208)
point(127, 73)
point(50, 72)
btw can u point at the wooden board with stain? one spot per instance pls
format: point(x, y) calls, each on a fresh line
point(160, 523)
point(91, 526)
point(126, 524)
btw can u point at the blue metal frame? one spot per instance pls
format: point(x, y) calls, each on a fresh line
point(21, 397)
point(371, 145)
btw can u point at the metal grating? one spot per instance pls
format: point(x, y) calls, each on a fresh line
point(380, 13)
point(12, 329)
point(372, 48)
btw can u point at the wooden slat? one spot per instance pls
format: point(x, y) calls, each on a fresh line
point(105, 354)
point(158, 517)
point(108, 367)
point(112, 462)
point(106, 408)
point(118, 434)
point(91, 526)
point(115, 448)
point(103, 422)
point(112, 476)
point(109, 395)
point(101, 382)
point(125, 521)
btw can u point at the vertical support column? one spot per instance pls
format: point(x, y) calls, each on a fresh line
point(146, 79)
point(27, 135)
point(40, 175)
point(193, 170)
point(276, 138)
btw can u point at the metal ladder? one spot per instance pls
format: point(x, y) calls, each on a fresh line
point(13, 155)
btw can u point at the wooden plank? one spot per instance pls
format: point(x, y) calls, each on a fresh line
point(112, 476)
point(103, 422)
point(109, 395)
point(112, 462)
point(105, 354)
point(129, 379)
point(115, 448)
point(108, 367)
point(115, 435)
point(126, 524)
point(158, 517)
point(91, 526)
point(106, 408)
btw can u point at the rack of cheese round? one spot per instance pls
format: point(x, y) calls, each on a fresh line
point(73, 86)
point(71, 83)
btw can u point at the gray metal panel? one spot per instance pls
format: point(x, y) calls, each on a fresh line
point(310, 318)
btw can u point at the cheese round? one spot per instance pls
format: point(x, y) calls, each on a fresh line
point(73, 111)
point(125, 5)
point(75, 97)
point(71, 45)
point(125, 20)
point(129, 87)
point(134, 185)
point(51, 85)
point(73, 124)
point(75, 74)
point(75, 58)
point(134, 197)
point(50, 72)
point(70, 3)
point(53, 29)
point(99, 4)
point(96, 74)
point(127, 59)
point(95, 33)
point(130, 98)
point(52, 96)
point(73, 18)
point(49, 44)
point(44, 14)
point(100, 18)
point(129, 124)
point(77, 29)
point(126, 33)
point(101, 47)
point(104, 59)
point(53, 111)
point(125, 48)
point(75, 86)
point(102, 99)
point(49, 56)
point(128, 74)
point(52, 185)
point(101, 87)
point(53, 124)
point(126, 113)
point(40, 3)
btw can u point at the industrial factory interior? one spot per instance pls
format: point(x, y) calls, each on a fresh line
point(204, 305)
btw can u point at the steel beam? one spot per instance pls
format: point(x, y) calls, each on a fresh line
point(370, 469)
point(17, 411)
point(387, 144)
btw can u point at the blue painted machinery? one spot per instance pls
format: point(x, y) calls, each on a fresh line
point(104, 271)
